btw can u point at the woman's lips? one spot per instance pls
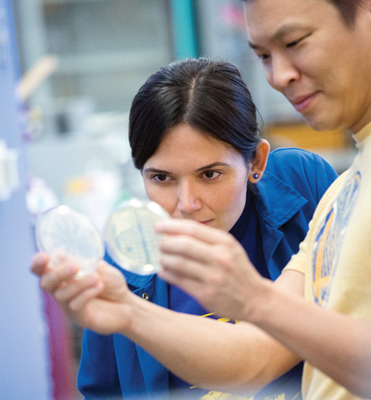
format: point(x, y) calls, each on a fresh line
point(206, 222)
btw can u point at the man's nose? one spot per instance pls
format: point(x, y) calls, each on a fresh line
point(282, 72)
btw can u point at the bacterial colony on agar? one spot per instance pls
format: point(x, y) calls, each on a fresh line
point(68, 235)
point(129, 235)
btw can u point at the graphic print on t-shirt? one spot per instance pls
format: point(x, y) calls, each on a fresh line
point(329, 239)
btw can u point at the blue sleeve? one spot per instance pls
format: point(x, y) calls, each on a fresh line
point(98, 376)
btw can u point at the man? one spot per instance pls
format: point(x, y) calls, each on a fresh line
point(319, 58)
point(318, 54)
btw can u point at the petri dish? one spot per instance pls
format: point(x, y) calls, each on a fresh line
point(67, 235)
point(130, 236)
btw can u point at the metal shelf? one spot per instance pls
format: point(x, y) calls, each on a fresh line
point(125, 61)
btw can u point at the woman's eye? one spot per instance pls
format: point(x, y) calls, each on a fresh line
point(160, 177)
point(211, 174)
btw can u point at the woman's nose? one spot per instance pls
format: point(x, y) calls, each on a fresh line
point(188, 200)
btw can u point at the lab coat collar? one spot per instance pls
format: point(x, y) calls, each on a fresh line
point(275, 201)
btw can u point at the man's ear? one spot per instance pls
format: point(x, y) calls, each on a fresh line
point(259, 162)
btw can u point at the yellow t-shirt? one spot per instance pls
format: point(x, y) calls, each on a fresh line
point(336, 257)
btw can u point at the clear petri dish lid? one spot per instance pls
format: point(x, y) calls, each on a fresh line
point(67, 235)
point(130, 236)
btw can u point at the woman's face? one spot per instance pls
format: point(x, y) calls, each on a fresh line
point(197, 177)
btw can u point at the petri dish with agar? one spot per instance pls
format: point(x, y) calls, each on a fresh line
point(68, 235)
point(130, 236)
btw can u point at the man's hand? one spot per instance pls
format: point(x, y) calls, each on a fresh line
point(210, 265)
point(100, 301)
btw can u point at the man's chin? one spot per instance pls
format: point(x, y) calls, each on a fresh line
point(322, 124)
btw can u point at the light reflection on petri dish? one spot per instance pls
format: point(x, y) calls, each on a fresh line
point(130, 236)
point(68, 235)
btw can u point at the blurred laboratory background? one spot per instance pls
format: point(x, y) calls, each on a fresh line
point(78, 66)
point(98, 53)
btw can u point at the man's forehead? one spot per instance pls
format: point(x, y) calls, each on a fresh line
point(284, 29)
point(346, 9)
point(264, 18)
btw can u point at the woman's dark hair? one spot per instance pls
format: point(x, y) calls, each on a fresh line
point(207, 95)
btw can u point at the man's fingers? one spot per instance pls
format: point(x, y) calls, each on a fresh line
point(39, 263)
point(66, 292)
point(189, 285)
point(187, 247)
point(82, 299)
point(58, 274)
point(199, 231)
point(183, 267)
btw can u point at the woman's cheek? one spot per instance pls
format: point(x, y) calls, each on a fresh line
point(162, 196)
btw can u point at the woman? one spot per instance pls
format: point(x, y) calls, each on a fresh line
point(195, 138)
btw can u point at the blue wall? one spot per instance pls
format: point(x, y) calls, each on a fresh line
point(24, 369)
point(184, 28)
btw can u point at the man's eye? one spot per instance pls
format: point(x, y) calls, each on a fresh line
point(263, 57)
point(294, 43)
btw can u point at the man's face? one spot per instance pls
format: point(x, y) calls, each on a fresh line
point(319, 63)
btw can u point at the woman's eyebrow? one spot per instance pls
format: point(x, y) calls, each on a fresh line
point(213, 165)
point(157, 171)
point(161, 171)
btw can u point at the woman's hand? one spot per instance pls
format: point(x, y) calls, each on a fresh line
point(211, 266)
point(100, 301)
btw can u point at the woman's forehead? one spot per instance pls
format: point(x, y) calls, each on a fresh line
point(186, 147)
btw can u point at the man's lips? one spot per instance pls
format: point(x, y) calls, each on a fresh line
point(302, 102)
